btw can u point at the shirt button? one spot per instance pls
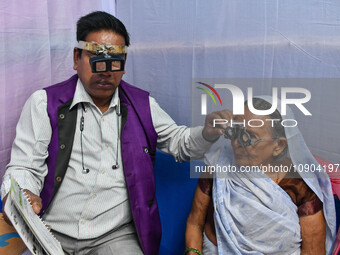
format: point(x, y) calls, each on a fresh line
point(62, 146)
point(102, 171)
point(83, 222)
point(94, 196)
point(62, 116)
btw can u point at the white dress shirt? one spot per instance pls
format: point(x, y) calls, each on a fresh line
point(89, 205)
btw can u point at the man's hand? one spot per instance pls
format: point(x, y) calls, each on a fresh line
point(216, 124)
point(34, 199)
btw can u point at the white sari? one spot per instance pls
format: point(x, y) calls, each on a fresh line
point(253, 215)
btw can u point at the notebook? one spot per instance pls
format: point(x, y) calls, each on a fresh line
point(32, 230)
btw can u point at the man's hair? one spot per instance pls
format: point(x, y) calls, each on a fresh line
point(277, 130)
point(97, 21)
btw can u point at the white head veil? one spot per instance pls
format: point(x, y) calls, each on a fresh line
point(318, 181)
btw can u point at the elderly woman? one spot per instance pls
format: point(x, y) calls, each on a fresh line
point(262, 205)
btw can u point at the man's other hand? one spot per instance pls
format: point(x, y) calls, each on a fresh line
point(216, 124)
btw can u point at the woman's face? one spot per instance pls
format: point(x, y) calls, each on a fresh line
point(262, 152)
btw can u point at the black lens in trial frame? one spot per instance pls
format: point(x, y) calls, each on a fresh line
point(240, 133)
point(107, 63)
point(230, 133)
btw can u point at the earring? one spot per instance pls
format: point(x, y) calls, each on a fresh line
point(275, 154)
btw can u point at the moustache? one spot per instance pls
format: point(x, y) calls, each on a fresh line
point(101, 80)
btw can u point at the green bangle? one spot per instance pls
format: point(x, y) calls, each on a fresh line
point(192, 249)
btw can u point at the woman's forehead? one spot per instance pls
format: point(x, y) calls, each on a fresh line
point(248, 115)
point(252, 122)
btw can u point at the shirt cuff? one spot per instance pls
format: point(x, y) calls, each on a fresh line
point(196, 132)
point(198, 145)
point(23, 182)
point(6, 184)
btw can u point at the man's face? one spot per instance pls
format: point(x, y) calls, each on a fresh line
point(100, 86)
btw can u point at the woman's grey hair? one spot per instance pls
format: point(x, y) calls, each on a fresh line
point(277, 130)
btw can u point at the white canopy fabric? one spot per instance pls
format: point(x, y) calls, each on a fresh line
point(283, 43)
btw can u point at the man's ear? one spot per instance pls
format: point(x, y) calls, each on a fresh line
point(281, 144)
point(75, 58)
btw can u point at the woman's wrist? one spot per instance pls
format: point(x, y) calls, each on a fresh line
point(189, 251)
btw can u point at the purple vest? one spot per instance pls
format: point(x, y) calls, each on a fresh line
point(138, 143)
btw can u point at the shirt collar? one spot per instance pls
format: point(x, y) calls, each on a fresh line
point(81, 96)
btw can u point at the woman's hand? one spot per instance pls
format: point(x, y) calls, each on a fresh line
point(313, 234)
point(196, 221)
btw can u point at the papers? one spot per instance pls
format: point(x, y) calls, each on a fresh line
point(33, 231)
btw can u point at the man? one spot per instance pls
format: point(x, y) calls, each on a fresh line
point(84, 149)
